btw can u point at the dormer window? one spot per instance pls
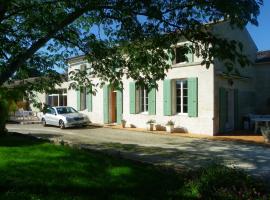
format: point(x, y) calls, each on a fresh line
point(179, 55)
point(182, 57)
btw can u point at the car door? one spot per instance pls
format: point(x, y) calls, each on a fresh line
point(47, 116)
point(54, 117)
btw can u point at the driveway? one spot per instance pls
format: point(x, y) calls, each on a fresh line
point(180, 152)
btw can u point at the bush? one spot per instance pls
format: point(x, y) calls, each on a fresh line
point(221, 182)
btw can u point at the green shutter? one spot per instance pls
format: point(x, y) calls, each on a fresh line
point(190, 57)
point(78, 100)
point(167, 97)
point(223, 109)
point(152, 101)
point(106, 104)
point(132, 97)
point(170, 60)
point(193, 97)
point(89, 100)
point(119, 104)
point(236, 110)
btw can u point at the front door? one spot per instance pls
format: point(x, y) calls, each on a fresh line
point(113, 108)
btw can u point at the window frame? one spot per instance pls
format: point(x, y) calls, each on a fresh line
point(182, 96)
point(183, 56)
point(59, 93)
point(143, 103)
point(178, 45)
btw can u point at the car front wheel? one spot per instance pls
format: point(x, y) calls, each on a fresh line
point(61, 124)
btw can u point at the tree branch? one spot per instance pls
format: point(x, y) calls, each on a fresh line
point(16, 62)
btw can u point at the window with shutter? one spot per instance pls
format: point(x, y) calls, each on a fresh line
point(132, 97)
point(193, 97)
point(106, 104)
point(167, 97)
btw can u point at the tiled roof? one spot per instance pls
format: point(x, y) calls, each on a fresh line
point(263, 56)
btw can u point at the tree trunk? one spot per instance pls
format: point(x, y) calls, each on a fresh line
point(3, 115)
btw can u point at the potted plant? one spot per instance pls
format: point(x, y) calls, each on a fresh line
point(123, 123)
point(150, 124)
point(266, 133)
point(170, 126)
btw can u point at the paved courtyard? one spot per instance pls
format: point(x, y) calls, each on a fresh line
point(180, 152)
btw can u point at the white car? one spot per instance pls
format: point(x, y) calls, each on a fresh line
point(64, 116)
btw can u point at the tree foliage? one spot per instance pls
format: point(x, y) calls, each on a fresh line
point(119, 37)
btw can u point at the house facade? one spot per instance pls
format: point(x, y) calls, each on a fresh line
point(198, 100)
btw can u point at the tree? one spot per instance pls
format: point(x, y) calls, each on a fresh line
point(130, 37)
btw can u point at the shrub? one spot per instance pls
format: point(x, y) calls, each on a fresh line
point(170, 123)
point(151, 121)
point(220, 182)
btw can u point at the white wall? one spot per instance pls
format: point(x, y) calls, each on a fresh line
point(42, 97)
point(203, 124)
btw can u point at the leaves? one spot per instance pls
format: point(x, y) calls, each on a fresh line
point(120, 38)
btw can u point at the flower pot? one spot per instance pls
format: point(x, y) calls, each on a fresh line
point(266, 134)
point(150, 127)
point(123, 124)
point(169, 128)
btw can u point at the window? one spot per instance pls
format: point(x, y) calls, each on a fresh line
point(83, 99)
point(182, 55)
point(143, 100)
point(65, 110)
point(179, 55)
point(58, 98)
point(181, 96)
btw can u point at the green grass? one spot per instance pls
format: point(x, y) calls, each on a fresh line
point(35, 169)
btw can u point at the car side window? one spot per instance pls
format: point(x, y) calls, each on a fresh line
point(53, 111)
point(48, 111)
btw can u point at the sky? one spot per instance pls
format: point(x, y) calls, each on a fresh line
point(261, 33)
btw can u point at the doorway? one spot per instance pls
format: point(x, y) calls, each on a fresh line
point(227, 110)
point(113, 106)
point(230, 119)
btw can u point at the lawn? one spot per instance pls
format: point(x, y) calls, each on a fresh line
point(36, 169)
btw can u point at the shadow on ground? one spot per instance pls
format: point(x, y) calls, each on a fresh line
point(195, 154)
point(19, 140)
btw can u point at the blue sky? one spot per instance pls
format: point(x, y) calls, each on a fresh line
point(261, 33)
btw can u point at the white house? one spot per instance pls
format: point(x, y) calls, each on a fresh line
point(198, 100)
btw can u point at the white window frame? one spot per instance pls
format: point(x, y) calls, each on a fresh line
point(181, 97)
point(58, 95)
point(143, 100)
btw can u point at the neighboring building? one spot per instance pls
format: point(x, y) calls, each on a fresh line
point(198, 100)
point(263, 82)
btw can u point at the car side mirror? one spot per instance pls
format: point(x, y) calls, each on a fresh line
point(55, 114)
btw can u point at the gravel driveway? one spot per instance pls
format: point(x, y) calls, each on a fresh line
point(181, 152)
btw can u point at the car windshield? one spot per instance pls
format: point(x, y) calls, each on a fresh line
point(65, 110)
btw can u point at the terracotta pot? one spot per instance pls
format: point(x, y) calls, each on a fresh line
point(150, 127)
point(169, 128)
point(123, 124)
